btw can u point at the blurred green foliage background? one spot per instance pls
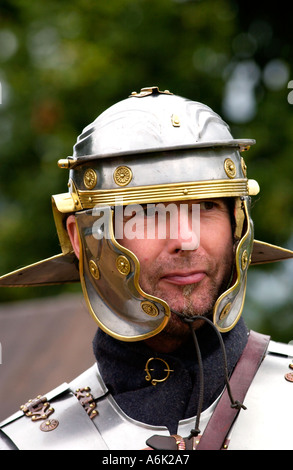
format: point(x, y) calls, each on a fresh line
point(63, 63)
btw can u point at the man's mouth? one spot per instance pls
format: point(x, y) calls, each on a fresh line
point(183, 279)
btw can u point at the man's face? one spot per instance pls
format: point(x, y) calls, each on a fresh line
point(189, 280)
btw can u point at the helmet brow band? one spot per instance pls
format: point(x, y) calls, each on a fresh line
point(164, 192)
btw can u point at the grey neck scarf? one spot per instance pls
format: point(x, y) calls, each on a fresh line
point(122, 366)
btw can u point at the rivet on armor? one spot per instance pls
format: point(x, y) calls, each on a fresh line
point(226, 444)
point(90, 178)
point(289, 377)
point(230, 168)
point(175, 120)
point(179, 442)
point(149, 308)
point(123, 265)
point(252, 187)
point(244, 167)
point(49, 425)
point(122, 175)
point(63, 163)
point(244, 148)
point(94, 270)
point(225, 311)
point(244, 259)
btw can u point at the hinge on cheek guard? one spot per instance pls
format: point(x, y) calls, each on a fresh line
point(239, 218)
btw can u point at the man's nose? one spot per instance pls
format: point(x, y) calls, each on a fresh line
point(184, 228)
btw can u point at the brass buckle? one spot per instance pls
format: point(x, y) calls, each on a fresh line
point(38, 408)
point(87, 401)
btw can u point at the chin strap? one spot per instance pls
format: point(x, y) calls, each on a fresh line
point(217, 429)
point(234, 404)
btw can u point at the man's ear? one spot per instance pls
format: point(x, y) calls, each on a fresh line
point(73, 234)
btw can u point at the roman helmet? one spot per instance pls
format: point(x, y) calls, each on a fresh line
point(151, 147)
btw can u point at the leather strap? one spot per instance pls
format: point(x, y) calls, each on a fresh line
point(217, 429)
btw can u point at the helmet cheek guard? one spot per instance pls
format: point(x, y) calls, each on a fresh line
point(152, 147)
point(110, 281)
point(229, 306)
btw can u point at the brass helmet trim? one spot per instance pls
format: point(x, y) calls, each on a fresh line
point(164, 193)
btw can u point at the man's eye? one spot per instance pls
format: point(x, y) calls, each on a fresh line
point(207, 205)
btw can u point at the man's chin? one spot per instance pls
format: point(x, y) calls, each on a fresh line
point(179, 324)
point(175, 333)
